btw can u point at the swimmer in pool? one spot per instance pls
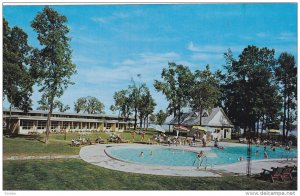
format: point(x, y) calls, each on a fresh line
point(141, 154)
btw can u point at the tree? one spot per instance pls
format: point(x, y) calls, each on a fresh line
point(135, 98)
point(205, 91)
point(57, 105)
point(90, 105)
point(177, 80)
point(94, 106)
point(286, 75)
point(53, 59)
point(152, 117)
point(122, 104)
point(161, 117)
point(80, 104)
point(248, 85)
point(146, 106)
point(17, 78)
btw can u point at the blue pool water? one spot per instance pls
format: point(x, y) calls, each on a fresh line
point(173, 157)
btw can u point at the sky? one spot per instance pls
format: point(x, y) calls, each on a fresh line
point(113, 43)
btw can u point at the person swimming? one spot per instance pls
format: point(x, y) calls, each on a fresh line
point(141, 154)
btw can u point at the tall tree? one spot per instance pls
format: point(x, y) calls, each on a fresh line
point(286, 75)
point(54, 66)
point(17, 78)
point(146, 106)
point(248, 85)
point(177, 80)
point(205, 91)
point(135, 92)
point(122, 104)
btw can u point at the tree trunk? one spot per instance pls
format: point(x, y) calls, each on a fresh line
point(284, 119)
point(288, 123)
point(147, 122)
point(8, 125)
point(135, 118)
point(257, 128)
point(141, 122)
point(48, 124)
point(200, 116)
point(179, 115)
point(262, 125)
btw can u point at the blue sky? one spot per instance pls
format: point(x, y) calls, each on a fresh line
point(113, 43)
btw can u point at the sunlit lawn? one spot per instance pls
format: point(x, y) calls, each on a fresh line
point(75, 174)
point(30, 146)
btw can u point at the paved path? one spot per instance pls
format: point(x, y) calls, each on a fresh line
point(41, 157)
point(99, 155)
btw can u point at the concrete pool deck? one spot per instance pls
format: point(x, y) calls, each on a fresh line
point(97, 155)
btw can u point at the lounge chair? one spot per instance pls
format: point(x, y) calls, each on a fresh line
point(75, 142)
point(274, 174)
point(287, 172)
point(99, 140)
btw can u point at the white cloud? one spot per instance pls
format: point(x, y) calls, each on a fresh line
point(193, 48)
point(107, 19)
point(209, 48)
point(128, 62)
point(149, 65)
point(287, 36)
point(203, 56)
point(159, 57)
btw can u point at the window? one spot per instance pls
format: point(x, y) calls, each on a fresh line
point(64, 125)
point(41, 124)
point(27, 124)
point(54, 125)
point(76, 125)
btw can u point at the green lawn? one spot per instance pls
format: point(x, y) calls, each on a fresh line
point(28, 146)
point(75, 174)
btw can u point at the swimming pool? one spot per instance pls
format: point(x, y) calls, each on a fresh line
point(174, 157)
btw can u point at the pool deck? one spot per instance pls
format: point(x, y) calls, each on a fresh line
point(99, 155)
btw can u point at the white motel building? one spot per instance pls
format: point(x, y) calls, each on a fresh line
point(35, 122)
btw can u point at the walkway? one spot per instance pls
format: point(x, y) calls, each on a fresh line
point(96, 155)
point(41, 157)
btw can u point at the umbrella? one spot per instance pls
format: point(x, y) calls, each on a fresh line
point(181, 128)
point(274, 131)
point(200, 128)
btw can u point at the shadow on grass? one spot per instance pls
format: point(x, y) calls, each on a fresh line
point(28, 137)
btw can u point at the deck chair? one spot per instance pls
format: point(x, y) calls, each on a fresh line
point(274, 174)
point(287, 172)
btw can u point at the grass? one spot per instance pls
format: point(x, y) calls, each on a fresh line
point(34, 146)
point(75, 174)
